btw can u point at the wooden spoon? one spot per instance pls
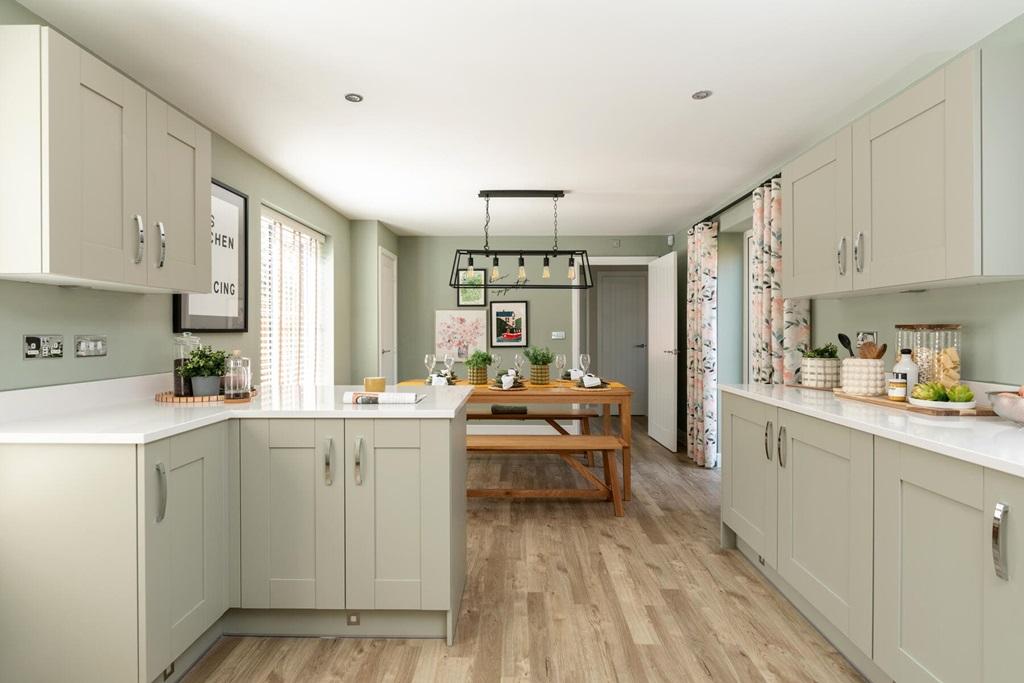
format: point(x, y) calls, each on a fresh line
point(868, 350)
point(881, 351)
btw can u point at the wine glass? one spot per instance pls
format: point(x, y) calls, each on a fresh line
point(429, 361)
point(518, 361)
point(585, 362)
point(496, 359)
point(560, 363)
point(449, 362)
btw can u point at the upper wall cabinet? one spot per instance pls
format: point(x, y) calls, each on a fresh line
point(921, 191)
point(102, 183)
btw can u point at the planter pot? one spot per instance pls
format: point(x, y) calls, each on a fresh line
point(863, 376)
point(206, 386)
point(821, 373)
point(477, 375)
point(540, 374)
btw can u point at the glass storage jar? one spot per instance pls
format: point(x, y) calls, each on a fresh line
point(183, 348)
point(935, 347)
point(238, 378)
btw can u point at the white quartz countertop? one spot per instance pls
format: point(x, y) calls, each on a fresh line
point(987, 441)
point(142, 420)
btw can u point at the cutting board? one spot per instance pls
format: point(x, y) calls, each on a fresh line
point(979, 411)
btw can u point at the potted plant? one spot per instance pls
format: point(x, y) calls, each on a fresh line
point(539, 359)
point(820, 367)
point(476, 367)
point(204, 367)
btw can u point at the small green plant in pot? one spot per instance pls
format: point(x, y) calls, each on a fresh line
point(476, 367)
point(540, 360)
point(820, 367)
point(204, 367)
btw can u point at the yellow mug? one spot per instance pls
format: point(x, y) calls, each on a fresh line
point(375, 384)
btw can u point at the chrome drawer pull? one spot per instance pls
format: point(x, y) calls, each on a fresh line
point(329, 462)
point(359, 461)
point(140, 241)
point(841, 256)
point(161, 478)
point(163, 244)
point(779, 446)
point(767, 439)
point(858, 253)
point(999, 516)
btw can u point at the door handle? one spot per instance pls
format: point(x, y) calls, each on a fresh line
point(140, 240)
point(359, 461)
point(163, 244)
point(161, 479)
point(999, 515)
point(841, 256)
point(767, 439)
point(639, 346)
point(383, 351)
point(674, 352)
point(329, 461)
point(858, 253)
point(779, 446)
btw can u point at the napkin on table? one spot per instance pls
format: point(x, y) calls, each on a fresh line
point(438, 381)
point(590, 381)
point(575, 374)
point(508, 381)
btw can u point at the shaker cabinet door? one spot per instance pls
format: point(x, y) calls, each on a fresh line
point(750, 485)
point(914, 182)
point(816, 220)
point(1004, 589)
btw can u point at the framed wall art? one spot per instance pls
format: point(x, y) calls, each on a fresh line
point(471, 296)
point(509, 323)
point(459, 333)
point(225, 308)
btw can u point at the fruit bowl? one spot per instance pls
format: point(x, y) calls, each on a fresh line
point(1007, 404)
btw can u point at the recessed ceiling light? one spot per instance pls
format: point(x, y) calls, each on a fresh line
point(354, 97)
point(701, 95)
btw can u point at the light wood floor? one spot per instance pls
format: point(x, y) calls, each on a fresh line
point(564, 591)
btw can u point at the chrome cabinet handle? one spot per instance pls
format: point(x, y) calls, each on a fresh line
point(999, 515)
point(329, 461)
point(639, 346)
point(779, 446)
point(359, 461)
point(767, 440)
point(140, 240)
point(841, 256)
point(858, 253)
point(161, 478)
point(163, 244)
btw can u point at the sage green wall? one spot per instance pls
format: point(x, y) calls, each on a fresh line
point(424, 265)
point(730, 308)
point(367, 237)
point(138, 326)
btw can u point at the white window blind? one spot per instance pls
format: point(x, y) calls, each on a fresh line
point(296, 306)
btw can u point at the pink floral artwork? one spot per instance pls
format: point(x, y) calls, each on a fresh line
point(459, 333)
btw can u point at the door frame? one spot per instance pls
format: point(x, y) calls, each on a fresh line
point(383, 253)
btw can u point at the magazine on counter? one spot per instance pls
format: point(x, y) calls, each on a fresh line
point(382, 397)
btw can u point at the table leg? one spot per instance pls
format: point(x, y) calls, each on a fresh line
point(626, 425)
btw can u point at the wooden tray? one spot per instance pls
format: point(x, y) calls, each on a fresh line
point(980, 411)
point(576, 388)
point(169, 397)
point(494, 388)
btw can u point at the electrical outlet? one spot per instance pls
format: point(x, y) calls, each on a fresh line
point(90, 345)
point(43, 346)
point(353, 618)
point(616, 244)
point(558, 335)
point(866, 337)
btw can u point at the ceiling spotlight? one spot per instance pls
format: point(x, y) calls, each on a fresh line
point(356, 97)
point(701, 95)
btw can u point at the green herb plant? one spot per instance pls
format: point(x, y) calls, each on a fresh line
point(479, 359)
point(827, 351)
point(539, 356)
point(204, 362)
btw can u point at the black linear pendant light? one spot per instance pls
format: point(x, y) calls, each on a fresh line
point(576, 273)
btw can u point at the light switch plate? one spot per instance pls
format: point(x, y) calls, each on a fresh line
point(90, 345)
point(558, 335)
point(37, 346)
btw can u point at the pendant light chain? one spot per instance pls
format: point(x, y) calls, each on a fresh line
point(556, 224)
point(487, 223)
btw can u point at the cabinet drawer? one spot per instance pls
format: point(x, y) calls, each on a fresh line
point(291, 433)
point(396, 433)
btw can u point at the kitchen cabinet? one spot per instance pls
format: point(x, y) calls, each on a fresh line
point(817, 219)
point(292, 513)
point(930, 566)
point(825, 530)
point(92, 166)
point(750, 479)
point(1003, 591)
point(183, 552)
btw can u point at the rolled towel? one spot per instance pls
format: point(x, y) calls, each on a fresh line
point(590, 381)
point(498, 409)
point(508, 381)
point(575, 374)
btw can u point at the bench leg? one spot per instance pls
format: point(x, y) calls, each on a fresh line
point(585, 428)
point(612, 477)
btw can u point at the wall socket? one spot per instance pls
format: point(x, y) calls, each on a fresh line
point(863, 337)
point(90, 345)
point(558, 335)
point(36, 346)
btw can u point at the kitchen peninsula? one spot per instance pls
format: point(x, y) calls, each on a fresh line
point(135, 534)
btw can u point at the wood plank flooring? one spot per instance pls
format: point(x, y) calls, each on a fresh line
point(563, 591)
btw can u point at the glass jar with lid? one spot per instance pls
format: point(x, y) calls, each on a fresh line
point(935, 348)
point(183, 348)
point(238, 378)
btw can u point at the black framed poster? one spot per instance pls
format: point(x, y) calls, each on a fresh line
point(225, 308)
point(508, 324)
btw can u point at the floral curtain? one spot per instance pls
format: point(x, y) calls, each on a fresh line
point(702, 344)
point(780, 328)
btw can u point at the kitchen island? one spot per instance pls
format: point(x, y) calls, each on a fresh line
point(134, 534)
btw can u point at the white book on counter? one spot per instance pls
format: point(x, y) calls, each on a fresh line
point(383, 397)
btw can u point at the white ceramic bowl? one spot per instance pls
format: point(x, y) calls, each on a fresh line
point(1007, 405)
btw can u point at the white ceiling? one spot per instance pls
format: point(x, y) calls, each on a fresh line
point(462, 95)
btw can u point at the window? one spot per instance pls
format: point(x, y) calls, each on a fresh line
point(296, 304)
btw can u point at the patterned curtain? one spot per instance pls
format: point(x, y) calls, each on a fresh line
point(702, 344)
point(780, 328)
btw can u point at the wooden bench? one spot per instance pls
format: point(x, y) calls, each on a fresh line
point(563, 446)
point(550, 415)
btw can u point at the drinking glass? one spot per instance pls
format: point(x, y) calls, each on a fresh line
point(518, 361)
point(449, 362)
point(585, 362)
point(429, 361)
point(560, 363)
point(496, 358)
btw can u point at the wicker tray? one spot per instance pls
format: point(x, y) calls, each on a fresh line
point(169, 397)
point(980, 411)
point(576, 388)
point(494, 388)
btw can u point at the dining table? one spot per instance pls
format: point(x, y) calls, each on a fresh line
point(565, 392)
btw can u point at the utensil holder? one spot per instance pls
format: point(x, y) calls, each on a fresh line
point(863, 376)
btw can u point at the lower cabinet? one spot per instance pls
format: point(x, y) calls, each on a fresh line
point(929, 565)
point(1004, 578)
point(292, 513)
point(826, 512)
point(183, 544)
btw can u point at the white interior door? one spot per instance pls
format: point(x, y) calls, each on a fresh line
point(622, 331)
point(662, 352)
point(387, 315)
